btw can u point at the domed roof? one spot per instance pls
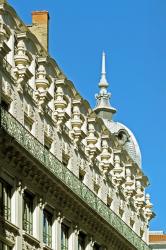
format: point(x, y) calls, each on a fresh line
point(131, 144)
point(105, 111)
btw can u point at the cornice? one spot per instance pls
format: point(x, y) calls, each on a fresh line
point(50, 162)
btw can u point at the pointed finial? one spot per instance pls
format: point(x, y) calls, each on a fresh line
point(103, 107)
point(103, 84)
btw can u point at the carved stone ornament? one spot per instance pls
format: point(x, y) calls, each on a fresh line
point(3, 31)
point(129, 184)
point(139, 197)
point(60, 106)
point(105, 158)
point(117, 171)
point(48, 130)
point(91, 141)
point(42, 85)
point(148, 208)
point(21, 61)
point(6, 91)
point(76, 121)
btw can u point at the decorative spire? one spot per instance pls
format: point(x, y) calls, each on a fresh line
point(103, 84)
point(103, 107)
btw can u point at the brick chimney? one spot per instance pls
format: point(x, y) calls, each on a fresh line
point(40, 27)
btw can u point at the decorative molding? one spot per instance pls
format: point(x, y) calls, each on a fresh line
point(50, 162)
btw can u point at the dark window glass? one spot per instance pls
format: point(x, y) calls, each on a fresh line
point(5, 105)
point(47, 228)
point(81, 241)
point(96, 247)
point(5, 200)
point(64, 237)
point(27, 213)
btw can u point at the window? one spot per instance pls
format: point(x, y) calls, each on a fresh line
point(64, 237)
point(27, 212)
point(27, 123)
point(47, 143)
point(5, 200)
point(81, 241)
point(4, 246)
point(81, 176)
point(47, 228)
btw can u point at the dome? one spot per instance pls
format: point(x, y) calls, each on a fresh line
point(130, 144)
point(105, 111)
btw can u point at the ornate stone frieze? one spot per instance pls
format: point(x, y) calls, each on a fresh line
point(50, 163)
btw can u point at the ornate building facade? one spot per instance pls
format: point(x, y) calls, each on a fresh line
point(70, 176)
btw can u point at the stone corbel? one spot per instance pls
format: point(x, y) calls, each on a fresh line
point(148, 208)
point(60, 104)
point(117, 170)
point(139, 196)
point(91, 140)
point(76, 121)
point(22, 62)
point(60, 217)
point(20, 187)
point(106, 157)
point(42, 85)
point(129, 183)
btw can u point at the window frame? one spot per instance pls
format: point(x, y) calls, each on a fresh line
point(5, 196)
point(64, 237)
point(47, 232)
point(27, 217)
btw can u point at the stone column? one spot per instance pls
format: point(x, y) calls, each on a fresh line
point(56, 231)
point(89, 244)
point(73, 238)
point(17, 211)
point(38, 218)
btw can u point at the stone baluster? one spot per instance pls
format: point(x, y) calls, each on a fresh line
point(21, 62)
point(117, 170)
point(139, 197)
point(148, 208)
point(129, 183)
point(91, 140)
point(42, 85)
point(60, 104)
point(106, 161)
point(76, 121)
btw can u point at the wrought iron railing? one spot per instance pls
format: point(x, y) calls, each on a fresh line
point(49, 161)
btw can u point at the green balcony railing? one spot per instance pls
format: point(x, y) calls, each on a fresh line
point(49, 161)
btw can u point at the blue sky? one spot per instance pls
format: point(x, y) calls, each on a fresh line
point(133, 35)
